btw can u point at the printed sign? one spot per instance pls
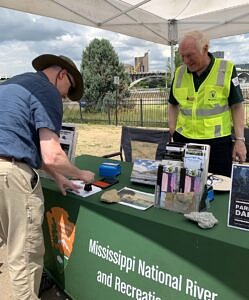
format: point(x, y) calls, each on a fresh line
point(116, 79)
point(238, 213)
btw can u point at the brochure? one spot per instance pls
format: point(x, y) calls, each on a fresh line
point(144, 171)
point(136, 199)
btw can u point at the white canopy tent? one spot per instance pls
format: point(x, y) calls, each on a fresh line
point(159, 21)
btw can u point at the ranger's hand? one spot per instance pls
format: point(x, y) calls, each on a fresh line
point(239, 151)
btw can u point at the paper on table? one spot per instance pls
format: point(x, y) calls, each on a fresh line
point(81, 191)
point(219, 182)
point(136, 199)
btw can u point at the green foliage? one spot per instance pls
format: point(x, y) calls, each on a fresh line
point(100, 63)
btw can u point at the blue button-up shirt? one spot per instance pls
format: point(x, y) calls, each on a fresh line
point(27, 102)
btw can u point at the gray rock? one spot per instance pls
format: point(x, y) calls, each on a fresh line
point(204, 219)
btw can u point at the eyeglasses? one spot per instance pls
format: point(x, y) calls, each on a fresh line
point(70, 80)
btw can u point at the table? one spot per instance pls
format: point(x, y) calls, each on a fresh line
point(96, 250)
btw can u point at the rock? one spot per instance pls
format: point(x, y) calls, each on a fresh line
point(110, 196)
point(204, 219)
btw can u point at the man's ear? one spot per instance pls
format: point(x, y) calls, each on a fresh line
point(62, 73)
point(205, 49)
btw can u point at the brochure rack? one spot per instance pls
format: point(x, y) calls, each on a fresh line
point(181, 184)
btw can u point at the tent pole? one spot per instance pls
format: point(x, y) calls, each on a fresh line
point(172, 38)
point(172, 61)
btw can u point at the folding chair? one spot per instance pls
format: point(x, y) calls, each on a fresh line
point(137, 142)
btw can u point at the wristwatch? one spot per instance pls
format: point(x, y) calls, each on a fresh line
point(240, 139)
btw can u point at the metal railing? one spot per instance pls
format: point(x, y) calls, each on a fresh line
point(146, 108)
point(143, 108)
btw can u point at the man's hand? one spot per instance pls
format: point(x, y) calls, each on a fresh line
point(238, 116)
point(86, 176)
point(239, 151)
point(64, 184)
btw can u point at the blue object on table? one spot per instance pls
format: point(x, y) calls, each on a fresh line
point(109, 170)
point(210, 194)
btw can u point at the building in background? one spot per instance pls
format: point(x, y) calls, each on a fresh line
point(218, 54)
point(129, 68)
point(142, 64)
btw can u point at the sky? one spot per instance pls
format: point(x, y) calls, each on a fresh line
point(24, 36)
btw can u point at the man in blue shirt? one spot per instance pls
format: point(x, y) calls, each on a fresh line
point(30, 121)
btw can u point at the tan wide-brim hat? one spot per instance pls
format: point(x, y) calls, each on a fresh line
point(46, 60)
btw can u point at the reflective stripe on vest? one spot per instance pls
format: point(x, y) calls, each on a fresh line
point(221, 73)
point(180, 76)
point(206, 112)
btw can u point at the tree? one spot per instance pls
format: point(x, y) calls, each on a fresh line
point(100, 64)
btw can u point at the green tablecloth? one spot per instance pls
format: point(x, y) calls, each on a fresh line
point(102, 251)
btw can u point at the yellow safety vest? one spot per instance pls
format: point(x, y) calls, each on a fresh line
point(204, 114)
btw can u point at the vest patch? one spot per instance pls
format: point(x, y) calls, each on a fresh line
point(235, 81)
point(212, 95)
point(190, 98)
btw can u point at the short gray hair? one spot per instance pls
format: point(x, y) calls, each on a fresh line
point(200, 38)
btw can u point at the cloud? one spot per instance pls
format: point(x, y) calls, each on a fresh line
point(236, 48)
point(24, 36)
point(19, 26)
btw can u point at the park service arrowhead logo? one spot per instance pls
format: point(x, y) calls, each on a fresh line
point(62, 233)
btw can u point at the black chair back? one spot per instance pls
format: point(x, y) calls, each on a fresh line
point(137, 142)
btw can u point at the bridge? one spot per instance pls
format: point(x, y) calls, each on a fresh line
point(243, 75)
point(138, 75)
point(145, 78)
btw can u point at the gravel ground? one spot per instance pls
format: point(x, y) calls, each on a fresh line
point(92, 139)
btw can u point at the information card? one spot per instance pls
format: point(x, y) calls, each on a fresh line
point(238, 212)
